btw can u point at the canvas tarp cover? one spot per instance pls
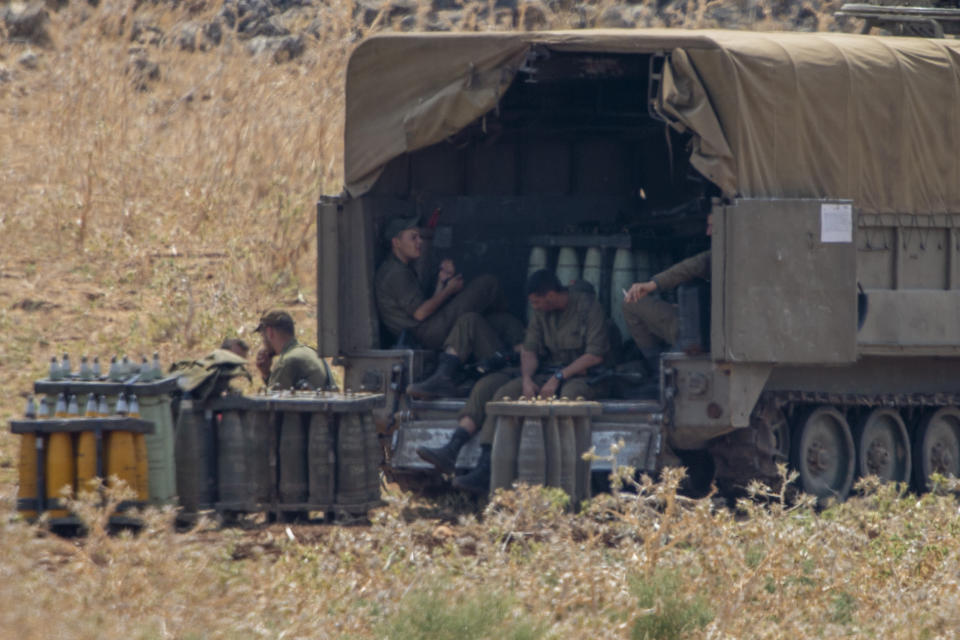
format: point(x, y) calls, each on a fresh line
point(873, 119)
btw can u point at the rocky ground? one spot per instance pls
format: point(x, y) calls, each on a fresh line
point(281, 30)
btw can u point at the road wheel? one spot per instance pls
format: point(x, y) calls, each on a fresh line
point(883, 446)
point(780, 429)
point(937, 445)
point(824, 453)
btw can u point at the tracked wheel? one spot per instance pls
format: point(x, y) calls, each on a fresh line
point(883, 446)
point(937, 445)
point(824, 453)
point(780, 430)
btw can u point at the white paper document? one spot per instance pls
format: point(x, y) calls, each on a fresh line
point(836, 223)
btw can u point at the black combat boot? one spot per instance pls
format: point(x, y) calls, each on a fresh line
point(651, 361)
point(445, 458)
point(477, 481)
point(496, 362)
point(441, 383)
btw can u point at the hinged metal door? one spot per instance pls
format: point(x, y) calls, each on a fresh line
point(784, 282)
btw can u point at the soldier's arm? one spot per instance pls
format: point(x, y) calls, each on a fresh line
point(581, 364)
point(316, 374)
point(692, 268)
point(281, 377)
point(444, 292)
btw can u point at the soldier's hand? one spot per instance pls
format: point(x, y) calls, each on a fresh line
point(639, 290)
point(530, 388)
point(445, 274)
point(454, 285)
point(264, 360)
point(447, 269)
point(549, 388)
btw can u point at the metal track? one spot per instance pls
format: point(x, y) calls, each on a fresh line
point(893, 400)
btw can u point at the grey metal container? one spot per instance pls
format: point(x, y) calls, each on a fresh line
point(322, 458)
point(292, 459)
point(235, 478)
point(351, 461)
point(195, 470)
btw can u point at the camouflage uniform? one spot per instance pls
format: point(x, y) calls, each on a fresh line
point(297, 362)
point(457, 324)
point(558, 338)
point(651, 320)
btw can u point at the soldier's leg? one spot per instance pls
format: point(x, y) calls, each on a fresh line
point(512, 389)
point(577, 388)
point(507, 326)
point(474, 413)
point(651, 322)
point(445, 458)
point(478, 480)
point(478, 296)
point(472, 335)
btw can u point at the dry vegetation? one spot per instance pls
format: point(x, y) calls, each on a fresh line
point(133, 220)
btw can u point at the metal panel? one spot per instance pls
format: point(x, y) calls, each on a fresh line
point(923, 258)
point(642, 443)
point(328, 276)
point(876, 257)
point(359, 327)
point(954, 258)
point(912, 318)
point(787, 295)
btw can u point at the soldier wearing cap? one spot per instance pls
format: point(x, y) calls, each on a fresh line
point(451, 320)
point(566, 336)
point(296, 364)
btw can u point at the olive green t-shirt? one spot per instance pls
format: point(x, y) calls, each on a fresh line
point(297, 362)
point(398, 294)
point(560, 337)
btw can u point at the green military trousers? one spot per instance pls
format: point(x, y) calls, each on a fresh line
point(572, 389)
point(460, 325)
point(483, 392)
point(651, 322)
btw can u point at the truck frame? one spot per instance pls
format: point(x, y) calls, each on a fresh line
point(828, 162)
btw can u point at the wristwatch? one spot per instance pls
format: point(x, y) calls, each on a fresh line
point(559, 375)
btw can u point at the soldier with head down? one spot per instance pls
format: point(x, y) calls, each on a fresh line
point(294, 365)
point(566, 337)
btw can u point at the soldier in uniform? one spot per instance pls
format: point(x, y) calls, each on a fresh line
point(566, 336)
point(236, 346)
point(296, 364)
point(451, 320)
point(653, 322)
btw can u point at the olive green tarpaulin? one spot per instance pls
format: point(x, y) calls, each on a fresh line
point(874, 119)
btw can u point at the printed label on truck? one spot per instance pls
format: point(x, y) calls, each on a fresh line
point(836, 223)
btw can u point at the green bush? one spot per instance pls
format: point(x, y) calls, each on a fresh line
point(432, 614)
point(667, 613)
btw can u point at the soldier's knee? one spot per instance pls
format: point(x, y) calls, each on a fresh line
point(487, 280)
point(469, 319)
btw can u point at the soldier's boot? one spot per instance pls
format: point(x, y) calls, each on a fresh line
point(651, 361)
point(441, 382)
point(496, 362)
point(477, 481)
point(445, 458)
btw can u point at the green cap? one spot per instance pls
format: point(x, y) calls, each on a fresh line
point(396, 226)
point(278, 319)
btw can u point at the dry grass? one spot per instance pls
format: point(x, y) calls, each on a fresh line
point(648, 564)
point(219, 163)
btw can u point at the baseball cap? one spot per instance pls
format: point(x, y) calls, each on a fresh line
point(396, 226)
point(278, 319)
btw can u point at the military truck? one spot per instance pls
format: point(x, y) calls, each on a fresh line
point(829, 162)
